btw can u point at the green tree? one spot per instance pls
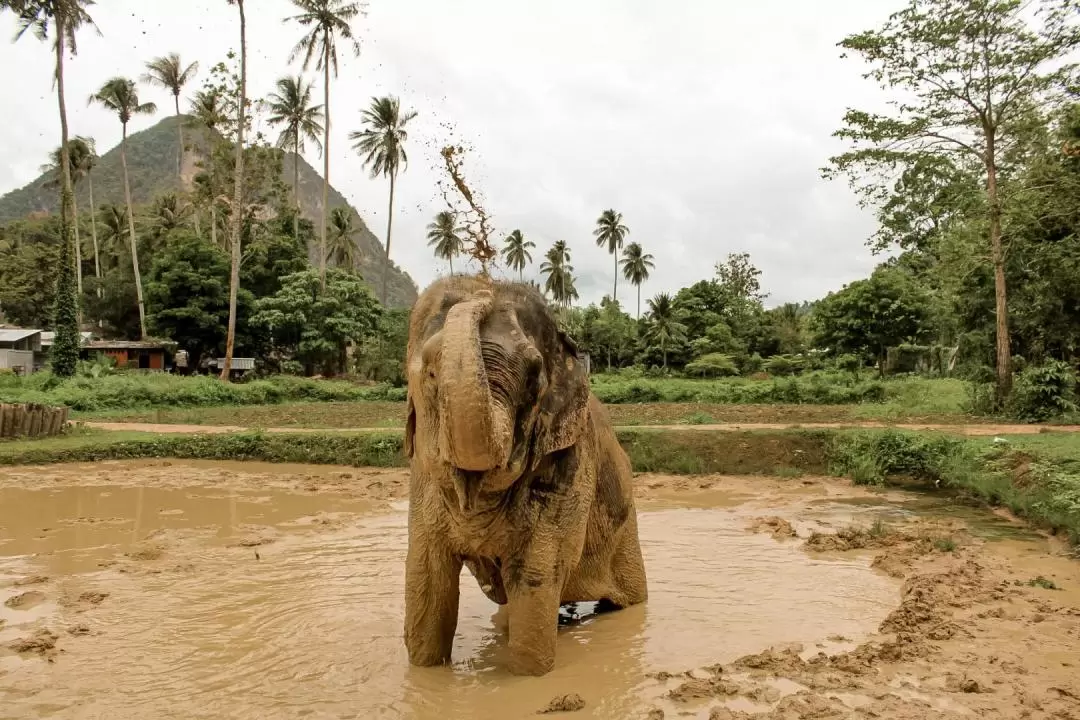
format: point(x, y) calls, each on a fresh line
point(291, 106)
point(969, 75)
point(60, 19)
point(120, 96)
point(560, 274)
point(382, 145)
point(663, 328)
point(636, 265)
point(516, 252)
point(81, 159)
point(869, 316)
point(342, 246)
point(610, 232)
point(209, 112)
point(326, 21)
point(237, 213)
point(169, 73)
point(444, 235)
point(314, 326)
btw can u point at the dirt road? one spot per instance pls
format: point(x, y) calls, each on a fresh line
point(971, 430)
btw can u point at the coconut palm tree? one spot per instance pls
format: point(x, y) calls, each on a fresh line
point(516, 251)
point(663, 328)
point(113, 220)
point(342, 247)
point(236, 217)
point(80, 160)
point(382, 144)
point(291, 106)
point(636, 264)
point(120, 95)
point(560, 274)
point(325, 22)
point(444, 235)
point(169, 212)
point(610, 232)
point(209, 112)
point(169, 73)
point(63, 18)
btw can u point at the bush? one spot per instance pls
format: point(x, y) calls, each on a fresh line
point(1044, 392)
point(870, 457)
point(849, 363)
point(712, 365)
point(783, 365)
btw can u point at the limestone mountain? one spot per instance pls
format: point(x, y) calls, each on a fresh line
point(151, 156)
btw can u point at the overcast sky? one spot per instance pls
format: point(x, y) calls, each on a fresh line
point(704, 123)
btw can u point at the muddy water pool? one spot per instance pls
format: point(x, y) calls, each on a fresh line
point(245, 591)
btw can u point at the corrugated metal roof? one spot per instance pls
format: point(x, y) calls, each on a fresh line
point(10, 335)
point(48, 336)
point(126, 345)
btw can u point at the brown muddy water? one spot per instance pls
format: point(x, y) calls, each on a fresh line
point(227, 590)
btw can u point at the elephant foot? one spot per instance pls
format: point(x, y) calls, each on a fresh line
point(428, 655)
point(527, 662)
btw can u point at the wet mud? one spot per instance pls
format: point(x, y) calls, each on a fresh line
point(174, 589)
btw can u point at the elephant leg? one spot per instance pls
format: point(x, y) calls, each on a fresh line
point(432, 574)
point(628, 568)
point(533, 597)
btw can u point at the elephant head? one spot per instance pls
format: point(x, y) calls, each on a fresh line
point(494, 385)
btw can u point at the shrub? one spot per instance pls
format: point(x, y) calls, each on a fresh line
point(1044, 392)
point(849, 363)
point(712, 365)
point(871, 457)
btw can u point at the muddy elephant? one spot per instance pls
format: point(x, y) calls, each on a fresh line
point(515, 473)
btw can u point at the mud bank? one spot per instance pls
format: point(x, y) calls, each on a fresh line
point(250, 590)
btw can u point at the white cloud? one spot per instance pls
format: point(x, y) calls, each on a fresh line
point(703, 123)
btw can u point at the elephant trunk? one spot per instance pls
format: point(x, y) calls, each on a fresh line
point(476, 429)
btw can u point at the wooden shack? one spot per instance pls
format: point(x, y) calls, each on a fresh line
point(130, 354)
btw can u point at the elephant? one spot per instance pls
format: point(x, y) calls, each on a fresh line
point(515, 473)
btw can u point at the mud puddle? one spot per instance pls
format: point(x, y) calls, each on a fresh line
point(185, 590)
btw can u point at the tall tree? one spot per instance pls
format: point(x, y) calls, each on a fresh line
point(610, 232)
point(291, 106)
point(664, 327)
point(342, 247)
point(560, 274)
point(969, 74)
point(237, 214)
point(59, 19)
point(444, 235)
point(636, 264)
point(120, 96)
point(80, 159)
point(516, 252)
point(382, 144)
point(209, 112)
point(325, 21)
point(169, 73)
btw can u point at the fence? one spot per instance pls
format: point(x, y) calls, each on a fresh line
point(32, 420)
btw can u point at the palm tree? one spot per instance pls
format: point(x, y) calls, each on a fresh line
point(169, 73)
point(66, 17)
point(342, 248)
point(610, 231)
point(663, 328)
point(291, 106)
point(120, 95)
point(169, 212)
point(112, 233)
point(382, 142)
point(209, 111)
point(516, 251)
point(444, 235)
point(326, 21)
point(80, 160)
point(560, 274)
point(636, 265)
point(237, 214)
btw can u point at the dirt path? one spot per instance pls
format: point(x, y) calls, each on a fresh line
point(972, 430)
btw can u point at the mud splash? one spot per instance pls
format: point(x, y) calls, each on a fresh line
point(270, 591)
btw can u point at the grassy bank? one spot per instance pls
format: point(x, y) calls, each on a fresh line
point(133, 392)
point(1037, 477)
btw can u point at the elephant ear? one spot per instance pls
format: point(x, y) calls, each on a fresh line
point(410, 428)
point(565, 404)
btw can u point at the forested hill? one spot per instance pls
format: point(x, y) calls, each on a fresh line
point(151, 156)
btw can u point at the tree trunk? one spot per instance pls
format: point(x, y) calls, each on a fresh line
point(521, 274)
point(389, 225)
point(296, 185)
point(180, 132)
point(663, 349)
point(93, 232)
point(997, 256)
point(238, 201)
point(451, 259)
point(638, 301)
point(64, 355)
point(131, 232)
point(78, 246)
point(615, 287)
point(326, 165)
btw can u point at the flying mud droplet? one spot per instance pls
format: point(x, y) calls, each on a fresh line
point(474, 219)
